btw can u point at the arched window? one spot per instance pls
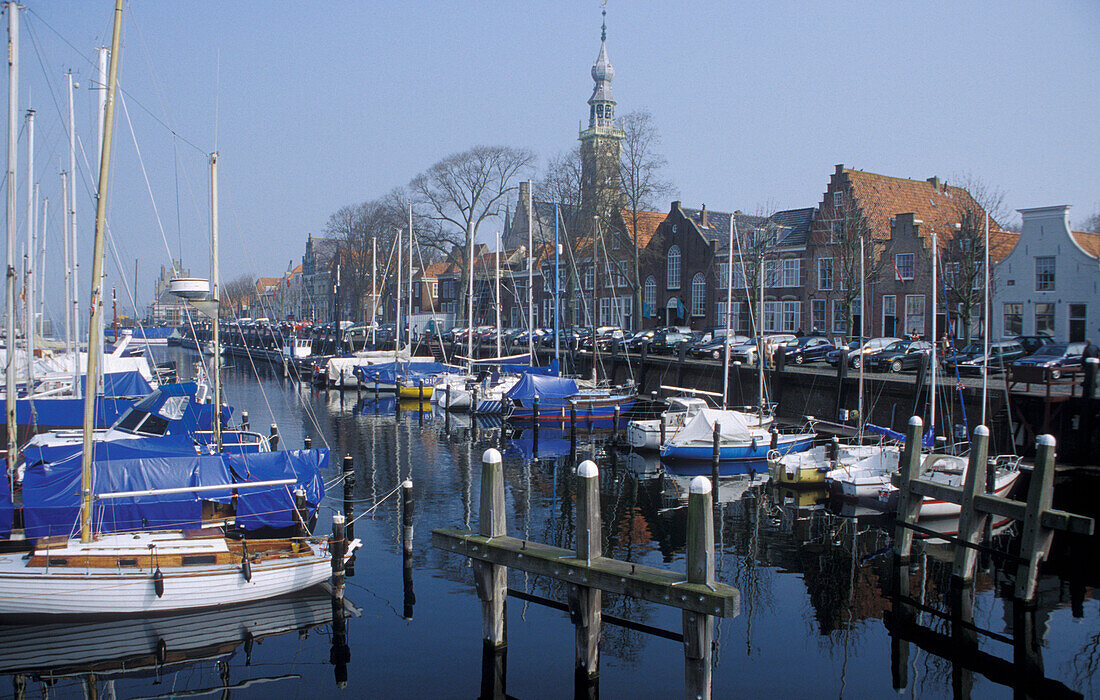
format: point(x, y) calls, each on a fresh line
point(698, 295)
point(674, 267)
point(650, 299)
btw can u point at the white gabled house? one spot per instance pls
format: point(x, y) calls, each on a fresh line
point(1050, 282)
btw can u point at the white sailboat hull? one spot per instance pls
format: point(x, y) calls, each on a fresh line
point(81, 590)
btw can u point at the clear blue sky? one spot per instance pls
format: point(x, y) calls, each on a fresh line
point(318, 105)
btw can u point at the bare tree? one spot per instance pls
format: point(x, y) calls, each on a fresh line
point(850, 230)
point(1092, 224)
point(562, 184)
point(641, 184)
point(755, 246)
point(463, 190)
point(239, 293)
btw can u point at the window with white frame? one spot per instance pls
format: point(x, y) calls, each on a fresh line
point(1044, 318)
point(620, 278)
point(903, 266)
point(825, 273)
point(1014, 319)
point(792, 316)
point(838, 200)
point(950, 275)
point(914, 314)
point(889, 315)
point(674, 267)
point(698, 295)
point(738, 275)
point(1044, 274)
point(723, 270)
point(792, 272)
point(772, 316)
point(649, 301)
point(605, 311)
point(623, 308)
point(771, 273)
point(840, 316)
point(817, 314)
point(589, 276)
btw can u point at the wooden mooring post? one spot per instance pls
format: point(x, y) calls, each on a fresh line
point(587, 574)
point(1039, 519)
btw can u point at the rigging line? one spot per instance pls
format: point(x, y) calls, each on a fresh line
point(121, 90)
point(148, 186)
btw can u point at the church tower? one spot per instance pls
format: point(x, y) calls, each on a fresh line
point(601, 142)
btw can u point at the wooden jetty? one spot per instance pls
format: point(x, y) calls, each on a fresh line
point(588, 574)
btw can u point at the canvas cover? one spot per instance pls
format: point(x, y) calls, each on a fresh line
point(392, 372)
point(131, 384)
point(700, 429)
point(928, 440)
point(66, 412)
point(531, 385)
point(51, 491)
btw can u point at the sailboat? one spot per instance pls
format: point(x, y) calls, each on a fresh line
point(148, 571)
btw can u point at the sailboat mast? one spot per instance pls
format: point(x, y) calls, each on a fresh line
point(985, 320)
point(68, 264)
point(760, 340)
point(729, 311)
point(862, 316)
point(409, 305)
point(28, 265)
point(932, 393)
point(13, 100)
point(530, 275)
point(557, 290)
point(216, 296)
point(497, 293)
point(595, 302)
point(73, 299)
point(95, 338)
point(41, 268)
point(397, 313)
point(373, 292)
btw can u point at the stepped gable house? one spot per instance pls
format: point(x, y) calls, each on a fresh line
point(899, 215)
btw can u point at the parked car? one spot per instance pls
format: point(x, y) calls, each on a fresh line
point(667, 342)
point(856, 353)
point(972, 358)
point(605, 336)
point(715, 347)
point(634, 344)
point(806, 349)
point(904, 354)
point(746, 353)
point(1032, 343)
point(1056, 357)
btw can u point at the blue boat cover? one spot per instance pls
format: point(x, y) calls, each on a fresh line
point(51, 492)
point(549, 371)
point(149, 333)
point(392, 372)
point(7, 509)
point(531, 385)
point(67, 412)
point(929, 439)
point(130, 384)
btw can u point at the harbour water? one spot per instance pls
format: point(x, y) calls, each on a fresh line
point(814, 580)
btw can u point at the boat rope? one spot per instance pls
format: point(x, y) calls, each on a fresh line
point(379, 502)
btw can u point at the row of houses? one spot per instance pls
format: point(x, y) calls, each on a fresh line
point(1043, 277)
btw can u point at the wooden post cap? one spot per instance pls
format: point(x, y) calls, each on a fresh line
point(408, 484)
point(916, 420)
point(1045, 440)
point(981, 430)
point(700, 485)
point(588, 469)
point(337, 519)
point(491, 456)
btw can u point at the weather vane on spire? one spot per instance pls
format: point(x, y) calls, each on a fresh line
point(603, 29)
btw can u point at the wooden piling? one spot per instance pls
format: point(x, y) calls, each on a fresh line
point(585, 602)
point(1035, 539)
point(244, 420)
point(841, 376)
point(908, 503)
point(535, 426)
point(491, 580)
point(338, 546)
point(308, 442)
point(273, 441)
point(615, 425)
point(699, 628)
point(971, 521)
point(303, 513)
point(716, 452)
point(447, 408)
point(420, 401)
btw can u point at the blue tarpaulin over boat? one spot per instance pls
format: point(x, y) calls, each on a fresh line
point(393, 372)
point(66, 412)
point(929, 439)
point(534, 385)
point(121, 384)
point(7, 510)
point(51, 492)
point(150, 333)
point(549, 371)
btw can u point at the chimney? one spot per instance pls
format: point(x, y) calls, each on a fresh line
point(703, 215)
point(524, 192)
point(935, 182)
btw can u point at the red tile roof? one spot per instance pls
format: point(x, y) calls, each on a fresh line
point(1089, 241)
point(938, 206)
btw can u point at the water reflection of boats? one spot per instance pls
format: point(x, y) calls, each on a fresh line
point(645, 466)
point(730, 489)
point(757, 468)
point(121, 646)
point(552, 443)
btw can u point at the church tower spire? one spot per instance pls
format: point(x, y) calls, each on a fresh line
point(601, 142)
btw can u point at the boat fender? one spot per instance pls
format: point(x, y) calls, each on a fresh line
point(162, 652)
point(246, 569)
point(158, 582)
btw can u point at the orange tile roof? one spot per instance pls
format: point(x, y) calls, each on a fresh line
point(1089, 241)
point(1001, 244)
point(436, 269)
point(648, 221)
